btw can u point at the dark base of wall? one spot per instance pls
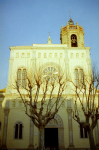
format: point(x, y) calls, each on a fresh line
point(5, 148)
point(79, 149)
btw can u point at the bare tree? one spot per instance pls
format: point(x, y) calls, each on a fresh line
point(42, 98)
point(87, 102)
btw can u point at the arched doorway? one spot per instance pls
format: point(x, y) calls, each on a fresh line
point(54, 134)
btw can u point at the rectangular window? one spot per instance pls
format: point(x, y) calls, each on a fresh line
point(16, 131)
point(83, 132)
point(20, 131)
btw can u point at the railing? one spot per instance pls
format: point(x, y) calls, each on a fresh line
point(72, 27)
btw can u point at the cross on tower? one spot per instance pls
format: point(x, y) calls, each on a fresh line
point(49, 33)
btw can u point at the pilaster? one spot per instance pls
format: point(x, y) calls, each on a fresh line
point(4, 146)
point(97, 136)
point(10, 75)
point(66, 61)
point(88, 60)
point(61, 138)
point(33, 61)
point(31, 146)
point(69, 111)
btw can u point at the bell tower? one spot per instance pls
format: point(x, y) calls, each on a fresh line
point(72, 35)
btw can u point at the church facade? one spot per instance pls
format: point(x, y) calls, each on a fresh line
point(17, 131)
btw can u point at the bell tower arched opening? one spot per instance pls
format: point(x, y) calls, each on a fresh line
point(74, 40)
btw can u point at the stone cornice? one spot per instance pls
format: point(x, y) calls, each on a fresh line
point(47, 47)
point(20, 47)
point(78, 48)
point(39, 46)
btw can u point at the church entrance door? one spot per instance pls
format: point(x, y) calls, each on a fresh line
point(51, 138)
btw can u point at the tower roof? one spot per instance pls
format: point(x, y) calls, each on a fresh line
point(71, 22)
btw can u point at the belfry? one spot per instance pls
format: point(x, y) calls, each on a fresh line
point(72, 35)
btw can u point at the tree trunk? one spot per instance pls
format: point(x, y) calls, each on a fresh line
point(91, 140)
point(41, 138)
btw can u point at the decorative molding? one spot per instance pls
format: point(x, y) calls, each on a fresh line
point(69, 110)
point(6, 111)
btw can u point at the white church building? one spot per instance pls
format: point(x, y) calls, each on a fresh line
point(71, 57)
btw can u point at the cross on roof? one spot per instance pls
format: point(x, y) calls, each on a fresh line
point(49, 33)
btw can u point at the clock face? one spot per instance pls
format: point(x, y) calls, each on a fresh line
point(50, 73)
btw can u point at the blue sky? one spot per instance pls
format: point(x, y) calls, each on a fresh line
point(24, 22)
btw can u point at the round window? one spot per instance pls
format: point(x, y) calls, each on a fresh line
point(50, 73)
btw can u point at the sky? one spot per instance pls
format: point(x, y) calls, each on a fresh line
point(27, 22)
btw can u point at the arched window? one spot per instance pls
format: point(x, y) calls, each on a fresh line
point(18, 130)
point(61, 55)
point(20, 103)
point(24, 78)
point(21, 77)
point(28, 55)
point(73, 40)
point(55, 55)
point(17, 55)
point(39, 55)
point(45, 56)
point(50, 55)
point(23, 55)
point(79, 77)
